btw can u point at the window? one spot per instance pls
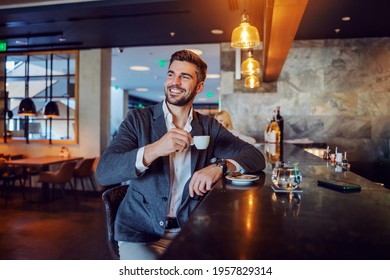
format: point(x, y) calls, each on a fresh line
point(42, 77)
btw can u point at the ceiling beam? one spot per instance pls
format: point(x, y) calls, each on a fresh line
point(281, 22)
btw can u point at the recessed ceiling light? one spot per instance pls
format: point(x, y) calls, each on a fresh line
point(202, 99)
point(346, 18)
point(197, 51)
point(213, 76)
point(217, 31)
point(113, 79)
point(139, 68)
point(141, 89)
point(21, 42)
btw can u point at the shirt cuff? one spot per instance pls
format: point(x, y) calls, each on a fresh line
point(238, 167)
point(139, 164)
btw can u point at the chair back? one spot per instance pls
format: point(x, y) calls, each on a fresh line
point(63, 175)
point(65, 172)
point(3, 165)
point(84, 168)
point(18, 156)
point(112, 198)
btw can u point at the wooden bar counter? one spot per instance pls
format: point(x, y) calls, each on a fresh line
point(253, 222)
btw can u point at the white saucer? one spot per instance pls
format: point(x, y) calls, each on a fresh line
point(244, 179)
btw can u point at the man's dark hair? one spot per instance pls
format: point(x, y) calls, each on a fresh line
point(191, 57)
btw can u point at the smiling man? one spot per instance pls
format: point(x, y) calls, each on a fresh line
point(167, 176)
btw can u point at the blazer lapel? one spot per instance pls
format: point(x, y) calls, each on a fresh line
point(197, 129)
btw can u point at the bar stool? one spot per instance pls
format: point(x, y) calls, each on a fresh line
point(112, 198)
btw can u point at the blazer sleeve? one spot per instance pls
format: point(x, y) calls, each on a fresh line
point(229, 146)
point(117, 163)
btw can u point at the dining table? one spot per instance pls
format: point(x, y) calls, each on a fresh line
point(44, 162)
point(255, 221)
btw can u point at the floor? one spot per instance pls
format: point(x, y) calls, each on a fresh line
point(59, 230)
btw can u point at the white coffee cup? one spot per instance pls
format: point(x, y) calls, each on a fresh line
point(201, 142)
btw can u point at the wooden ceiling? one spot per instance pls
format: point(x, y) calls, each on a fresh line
point(119, 23)
point(281, 22)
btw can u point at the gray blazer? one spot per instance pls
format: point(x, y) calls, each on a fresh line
point(141, 215)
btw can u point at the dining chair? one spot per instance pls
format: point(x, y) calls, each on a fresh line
point(9, 175)
point(28, 171)
point(62, 176)
point(84, 170)
point(112, 198)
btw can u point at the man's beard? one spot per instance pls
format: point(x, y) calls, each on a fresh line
point(183, 100)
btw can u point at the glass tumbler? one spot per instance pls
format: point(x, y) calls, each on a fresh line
point(286, 175)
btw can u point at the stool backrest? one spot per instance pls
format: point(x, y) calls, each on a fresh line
point(112, 198)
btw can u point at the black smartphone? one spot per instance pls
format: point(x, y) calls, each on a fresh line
point(341, 186)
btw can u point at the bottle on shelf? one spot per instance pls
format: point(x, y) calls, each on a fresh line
point(279, 119)
point(326, 155)
point(272, 133)
point(275, 131)
point(333, 159)
point(345, 160)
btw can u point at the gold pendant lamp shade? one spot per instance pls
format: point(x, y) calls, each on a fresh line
point(51, 110)
point(250, 66)
point(27, 108)
point(252, 81)
point(245, 36)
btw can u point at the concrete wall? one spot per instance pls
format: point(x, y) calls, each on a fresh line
point(330, 91)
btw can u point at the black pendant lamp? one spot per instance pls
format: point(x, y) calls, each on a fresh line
point(51, 110)
point(27, 107)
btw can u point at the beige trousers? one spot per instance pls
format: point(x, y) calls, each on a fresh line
point(146, 251)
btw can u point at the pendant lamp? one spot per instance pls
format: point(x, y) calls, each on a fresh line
point(27, 107)
point(250, 66)
point(51, 110)
point(252, 81)
point(245, 36)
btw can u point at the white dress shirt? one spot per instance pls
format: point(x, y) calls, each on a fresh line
point(179, 164)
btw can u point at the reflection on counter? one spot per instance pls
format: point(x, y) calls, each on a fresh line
point(273, 152)
point(287, 203)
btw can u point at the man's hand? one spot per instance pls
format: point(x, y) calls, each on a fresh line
point(175, 140)
point(203, 180)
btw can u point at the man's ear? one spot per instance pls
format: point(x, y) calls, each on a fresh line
point(200, 87)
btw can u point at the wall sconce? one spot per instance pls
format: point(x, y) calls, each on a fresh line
point(245, 36)
point(27, 108)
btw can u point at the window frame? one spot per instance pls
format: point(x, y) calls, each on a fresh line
point(72, 122)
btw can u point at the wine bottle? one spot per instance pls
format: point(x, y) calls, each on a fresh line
point(280, 121)
point(345, 160)
point(275, 129)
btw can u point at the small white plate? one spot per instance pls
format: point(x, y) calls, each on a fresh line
point(244, 179)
